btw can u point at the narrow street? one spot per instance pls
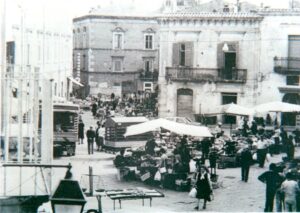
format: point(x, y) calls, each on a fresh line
point(232, 196)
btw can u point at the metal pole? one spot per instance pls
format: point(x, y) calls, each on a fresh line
point(36, 113)
point(3, 86)
point(47, 127)
point(91, 180)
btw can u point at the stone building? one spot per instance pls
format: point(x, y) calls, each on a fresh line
point(115, 54)
point(213, 58)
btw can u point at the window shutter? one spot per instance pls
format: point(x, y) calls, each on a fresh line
point(189, 54)
point(220, 56)
point(236, 50)
point(175, 57)
point(114, 41)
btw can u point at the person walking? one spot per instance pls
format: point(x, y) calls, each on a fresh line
point(273, 181)
point(203, 185)
point(246, 161)
point(290, 148)
point(97, 138)
point(90, 134)
point(290, 189)
point(80, 131)
point(261, 151)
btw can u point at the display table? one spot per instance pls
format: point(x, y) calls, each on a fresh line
point(133, 194)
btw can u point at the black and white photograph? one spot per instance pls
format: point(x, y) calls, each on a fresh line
point(161, 106)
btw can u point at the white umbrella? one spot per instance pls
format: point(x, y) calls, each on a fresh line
point(276, 106)
point(230, 109)
point(178, 128)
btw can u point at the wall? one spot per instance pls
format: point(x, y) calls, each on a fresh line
point(99, 53)
point(206, 36)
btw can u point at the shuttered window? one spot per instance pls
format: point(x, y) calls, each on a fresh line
point(183, 54)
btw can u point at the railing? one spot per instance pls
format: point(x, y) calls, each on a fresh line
point(286, 65)
point(149, 76)
point(206, 74)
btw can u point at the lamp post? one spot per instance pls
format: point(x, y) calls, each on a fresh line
point(68, 197)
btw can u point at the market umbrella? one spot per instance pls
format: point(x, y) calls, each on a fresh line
point(230, 109)
point(178, 128)
point(276, 106)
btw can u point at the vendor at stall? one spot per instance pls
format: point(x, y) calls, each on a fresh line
point(218, 130)
point(150, 146)
point(119, 161)
point(184, 153)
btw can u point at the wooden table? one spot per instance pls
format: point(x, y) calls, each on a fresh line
point(133, 194)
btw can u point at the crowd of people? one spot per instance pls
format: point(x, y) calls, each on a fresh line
point(135, 104)
point(252, 143)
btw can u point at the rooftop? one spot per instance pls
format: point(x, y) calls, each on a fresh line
point(210, 15)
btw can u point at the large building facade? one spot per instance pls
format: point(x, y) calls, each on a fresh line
point(115, 54)
point(210, 59)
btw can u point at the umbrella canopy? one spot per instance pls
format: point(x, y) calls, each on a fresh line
point(178, 128)
point(276, 106)
point(230, 109)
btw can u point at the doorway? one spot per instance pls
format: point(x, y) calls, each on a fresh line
point(229, 65)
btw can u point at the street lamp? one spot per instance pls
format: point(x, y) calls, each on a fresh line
point(68, 197)
point(225, 47)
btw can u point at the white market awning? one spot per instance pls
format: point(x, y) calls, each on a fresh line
point(75, 81)
point(277, 106)
point(178, 128)
point(230, 109)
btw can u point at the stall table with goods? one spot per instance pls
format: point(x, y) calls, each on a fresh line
point(133, 194)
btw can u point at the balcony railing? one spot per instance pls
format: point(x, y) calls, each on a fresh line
point(149, 76)
point(287, 65)
point(206, 74)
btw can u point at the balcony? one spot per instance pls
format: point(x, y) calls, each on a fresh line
point(206, 74)
point(149, 76)
point(287, 65)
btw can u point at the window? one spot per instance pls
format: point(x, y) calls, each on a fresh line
point(117, 64)
point(292, 80)
point(83, 62)
point(78, 30)
point(55, 88)
point(149, 42)
point(148, 66)
point(84, 29)
point(62, 89)
point(183, 54)
point(180, 2)
point(228, 98)
point(118, 41)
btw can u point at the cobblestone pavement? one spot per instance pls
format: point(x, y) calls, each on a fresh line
point(232, 196)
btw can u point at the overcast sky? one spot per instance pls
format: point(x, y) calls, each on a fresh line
point(59, 13)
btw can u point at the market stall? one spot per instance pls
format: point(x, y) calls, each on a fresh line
point(115, 127)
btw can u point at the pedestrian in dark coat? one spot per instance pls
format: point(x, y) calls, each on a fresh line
point(203, 185)
point(273, 182)
point(254, 128)
point(80, 131)
point(90, 134)
point(97, 137)
point(149, 147)
point(94, 109)
point(290, 148)
point(213, 156)
point(246, 161)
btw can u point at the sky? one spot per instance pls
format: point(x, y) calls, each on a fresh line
point(58, 14)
